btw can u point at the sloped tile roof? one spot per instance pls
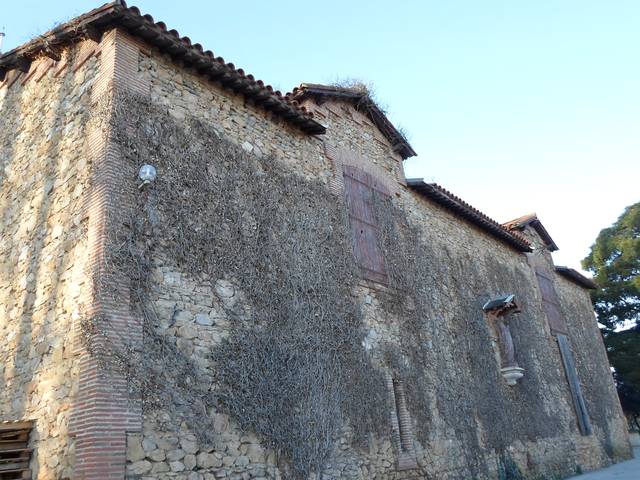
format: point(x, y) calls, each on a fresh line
point(363, 102)
point(532, 219)
point(118, 14)
point(448, 200)
point(577, 277)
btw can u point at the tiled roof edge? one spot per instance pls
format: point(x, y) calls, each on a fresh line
point(117, 14)
point(364, 104)
point(577, 277)
point(455, 204)
point(533, 220)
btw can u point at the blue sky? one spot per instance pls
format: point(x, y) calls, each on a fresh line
point(514, 105)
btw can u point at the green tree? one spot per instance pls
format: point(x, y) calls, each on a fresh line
point(614, 261)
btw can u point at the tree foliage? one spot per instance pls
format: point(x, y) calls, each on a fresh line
point(615, 262)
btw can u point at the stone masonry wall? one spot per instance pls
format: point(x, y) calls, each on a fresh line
point(465, 421)
point(185, 94)
point(476, 425)
point(44, 179)
point(591, 362)
point(593, 368)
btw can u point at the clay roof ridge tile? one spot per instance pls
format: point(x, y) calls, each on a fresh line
point(117, 13)
point(364, 104)
point(455, 203)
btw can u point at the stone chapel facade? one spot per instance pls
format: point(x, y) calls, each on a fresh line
point(488, 358)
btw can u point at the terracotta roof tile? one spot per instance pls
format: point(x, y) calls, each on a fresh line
point(117, 14)
point(461, 208)
point(364, 104)
point(532, 220)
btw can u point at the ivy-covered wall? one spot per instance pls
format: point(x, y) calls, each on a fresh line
point(593, 366)
point(270, 357)
point(265, 354)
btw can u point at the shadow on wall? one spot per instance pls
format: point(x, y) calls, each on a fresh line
point(40, 203)
point(445, 328)
point(445, 312)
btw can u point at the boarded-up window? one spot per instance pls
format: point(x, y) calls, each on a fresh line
point(551, 302)
point(14, 452)
point(360, 188)
point(402, 431)
point(584, 423)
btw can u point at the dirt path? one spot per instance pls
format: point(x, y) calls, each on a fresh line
point(629, 470)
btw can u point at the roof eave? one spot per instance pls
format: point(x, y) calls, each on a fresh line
point(470, 214)
point(532, 220)
point(67, 32)
point(544, 234)
point(363, 103)
point(117, 14)
point(577, 278)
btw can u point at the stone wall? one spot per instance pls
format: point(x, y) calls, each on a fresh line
point(476, 425)
point(184, 93)
point(593, 371)
point(44, 179)
point(469, 267)
point(465, 421)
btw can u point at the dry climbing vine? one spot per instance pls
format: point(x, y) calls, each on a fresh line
point(292, 369)
point(446, 343)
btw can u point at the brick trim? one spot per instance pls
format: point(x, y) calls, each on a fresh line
point(44, 68)
point(401, 429)
point(341, 157)
point(103, 411)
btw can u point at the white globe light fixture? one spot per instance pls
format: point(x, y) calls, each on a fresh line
point(147, 174)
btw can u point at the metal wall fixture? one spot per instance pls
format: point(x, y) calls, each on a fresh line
point(147, 174)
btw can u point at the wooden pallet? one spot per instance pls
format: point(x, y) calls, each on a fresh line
point(15, 453)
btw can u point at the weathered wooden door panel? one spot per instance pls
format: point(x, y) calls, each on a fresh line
point(551, 303)
point(584, 423)
point(359, 194)
point(360, 201)
point(367, 252)
point(557, 323)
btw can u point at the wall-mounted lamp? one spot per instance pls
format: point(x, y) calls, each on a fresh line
point(147, 174)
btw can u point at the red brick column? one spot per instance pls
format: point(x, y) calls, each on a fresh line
point(103, 410)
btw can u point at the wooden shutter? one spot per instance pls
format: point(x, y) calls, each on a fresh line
point(574, 385)
point(360, 188)
point(14, 452)
point(551, 303)
point(558, 327)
